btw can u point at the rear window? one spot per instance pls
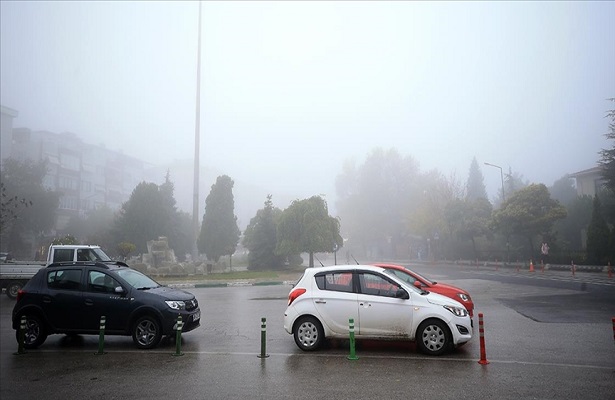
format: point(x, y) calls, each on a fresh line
point(61, 255)
point(336, 281)
point(64, 279)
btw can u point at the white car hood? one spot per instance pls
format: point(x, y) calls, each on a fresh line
point(440, 300)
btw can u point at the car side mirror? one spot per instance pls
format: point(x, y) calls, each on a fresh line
point(119, 290)
point(418, 284)
point(402, 294)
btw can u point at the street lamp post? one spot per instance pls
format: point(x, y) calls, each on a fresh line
point(501, 176)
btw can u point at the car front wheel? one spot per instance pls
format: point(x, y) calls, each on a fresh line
point(146, 332)
point(433, 337)
point(308, 333)
point(35, 333)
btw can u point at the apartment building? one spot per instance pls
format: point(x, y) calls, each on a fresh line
point(87, 176)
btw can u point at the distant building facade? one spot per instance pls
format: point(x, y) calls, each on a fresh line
point(588, 181)
point(86, 176)
point(6, 130)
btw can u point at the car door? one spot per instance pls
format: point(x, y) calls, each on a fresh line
point(380, 312)
point(335, 300)
point(61, 300)
point(101, 299)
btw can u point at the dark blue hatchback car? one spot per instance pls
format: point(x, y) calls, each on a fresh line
point(71, 297)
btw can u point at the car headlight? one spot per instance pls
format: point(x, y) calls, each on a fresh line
point(460, 312)
point(176, 305)
point(463, 296)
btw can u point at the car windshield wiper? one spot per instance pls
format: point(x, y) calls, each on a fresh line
point(145, 288)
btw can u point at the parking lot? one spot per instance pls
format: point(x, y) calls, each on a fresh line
point(548, 336)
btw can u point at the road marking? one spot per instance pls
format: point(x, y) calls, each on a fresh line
point(340, 355)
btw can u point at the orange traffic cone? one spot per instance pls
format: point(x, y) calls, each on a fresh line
point(531, 266)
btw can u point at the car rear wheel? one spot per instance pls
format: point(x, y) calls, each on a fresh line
point(146, 332)
point(35, 333)
point(13, 288)
point(433, 337)
point(308, 333)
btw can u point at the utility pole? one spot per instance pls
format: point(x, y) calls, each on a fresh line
point(197, 144)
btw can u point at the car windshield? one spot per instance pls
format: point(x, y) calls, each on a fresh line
point(137, 279)
point(421, 277)
point(406, 284)
point(100, 255)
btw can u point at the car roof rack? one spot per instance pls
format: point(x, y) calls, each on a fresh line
point(100, 264)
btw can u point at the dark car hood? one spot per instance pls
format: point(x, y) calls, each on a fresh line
point(170, 293)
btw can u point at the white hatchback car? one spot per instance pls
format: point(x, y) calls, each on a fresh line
point(324, 299)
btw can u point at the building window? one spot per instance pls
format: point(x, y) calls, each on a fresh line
point(68, 203)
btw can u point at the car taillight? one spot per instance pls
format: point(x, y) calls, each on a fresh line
point(292, 296)
point(20, 294)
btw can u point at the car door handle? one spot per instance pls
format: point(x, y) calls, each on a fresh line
point(89, 302)
point(321, 301)
point(365, 304)
point(46, 299)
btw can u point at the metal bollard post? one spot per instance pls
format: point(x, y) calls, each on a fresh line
point(352, 355)
point(101, 336)
point(481, 330)
point(178, 337)
point(22, 336)
point(572, 267)
point(263, 338)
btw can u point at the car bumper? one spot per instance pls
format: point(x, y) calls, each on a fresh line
point(190, 320)
point(461, 329)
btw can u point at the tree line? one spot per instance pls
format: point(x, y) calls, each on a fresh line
point(387, 208)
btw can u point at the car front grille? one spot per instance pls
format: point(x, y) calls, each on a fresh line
point(191, 304)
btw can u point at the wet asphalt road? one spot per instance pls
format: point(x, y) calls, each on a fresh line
point(548, 336)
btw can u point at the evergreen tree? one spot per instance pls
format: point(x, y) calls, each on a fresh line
point(607, 160)
point(219, 231)
point(260, 239)
point(475, 188)
point(143, 217)
point(598, 236)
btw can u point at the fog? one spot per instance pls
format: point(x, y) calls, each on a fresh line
point(292, 89)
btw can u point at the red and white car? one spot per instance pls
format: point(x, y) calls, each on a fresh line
point(421, 282)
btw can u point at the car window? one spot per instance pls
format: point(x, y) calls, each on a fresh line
point(137, 279)
point(61, 255)
point(69, 279)
point(101, 282)
point(338, 281)
point(376, 285)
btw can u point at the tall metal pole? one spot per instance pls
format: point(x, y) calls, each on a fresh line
point(197, 144)
point(501, 177)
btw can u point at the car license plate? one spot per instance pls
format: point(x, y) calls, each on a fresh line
point(196, 316)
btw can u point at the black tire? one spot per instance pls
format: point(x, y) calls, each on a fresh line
point(433, 337)
point(308, 333)
point(146, 332)
point(13, 288)
point(35, 333)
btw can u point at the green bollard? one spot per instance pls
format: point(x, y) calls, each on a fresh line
point(101, 336)
point(352, 355)
point(178, 337)
point(22, 336)
point(263, 338)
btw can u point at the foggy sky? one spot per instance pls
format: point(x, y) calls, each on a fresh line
point(292, 89)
